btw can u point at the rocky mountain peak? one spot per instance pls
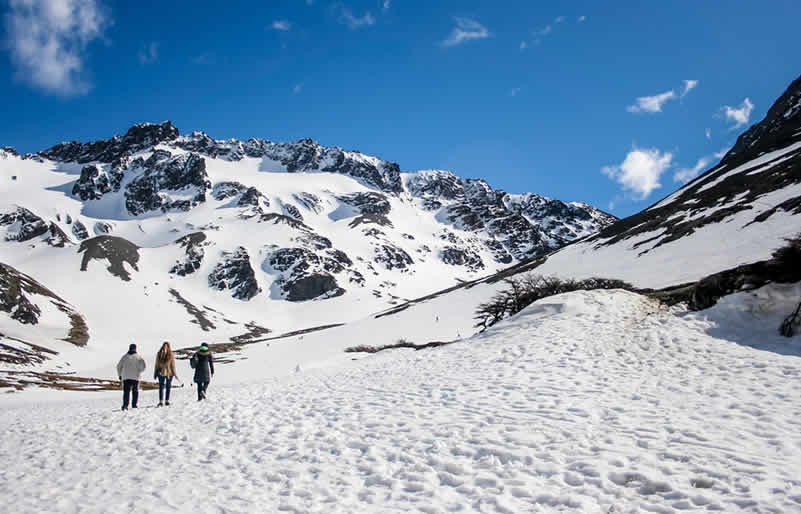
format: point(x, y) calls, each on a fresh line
point(779, 127)
point(138, 138)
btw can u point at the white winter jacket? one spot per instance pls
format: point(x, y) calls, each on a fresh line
point(131, 366)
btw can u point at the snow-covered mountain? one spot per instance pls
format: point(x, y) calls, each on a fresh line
point(197, 238)
point(737, 212)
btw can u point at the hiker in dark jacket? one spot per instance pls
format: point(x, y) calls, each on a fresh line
point(204, 370)
point(129, 370)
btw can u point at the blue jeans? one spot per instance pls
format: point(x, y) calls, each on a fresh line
point(162, 381)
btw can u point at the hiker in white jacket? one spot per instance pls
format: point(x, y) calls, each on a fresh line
point(129, 370)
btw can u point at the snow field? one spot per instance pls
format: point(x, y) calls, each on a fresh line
point(590, 401)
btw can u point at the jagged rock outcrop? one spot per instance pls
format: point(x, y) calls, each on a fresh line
point(79, 230)
point(193, 247)
point(304, 155)
point(235, 273)
point(23, 225)
point(138, 138)
point(164, 173)
point(459, 257)
point(511, 226)
point(305, 274)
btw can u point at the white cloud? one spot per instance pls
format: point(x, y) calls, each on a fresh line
point(465, 30)
point(708, 133)
point(283, 25)
point(559, 19)
point(640, 171)
point(387, 3)
point(685, 175)
point(514, 91)
point(689, 85)
point(722, 152)
point(297, 89)
point(740, 115)
point(48, 40)
point(149, 54)
point(652, 103)
point(581, 19)
point(523, 45)
point(355, 22)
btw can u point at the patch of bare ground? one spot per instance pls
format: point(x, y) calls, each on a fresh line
point(402, 343)
point(199, 315)
point(25, 353)
point(19, 380)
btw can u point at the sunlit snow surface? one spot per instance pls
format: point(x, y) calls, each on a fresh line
point(587, 402)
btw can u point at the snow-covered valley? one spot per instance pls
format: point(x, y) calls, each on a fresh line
point(599, 401)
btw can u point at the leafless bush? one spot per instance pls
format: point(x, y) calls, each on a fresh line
point(524, 290)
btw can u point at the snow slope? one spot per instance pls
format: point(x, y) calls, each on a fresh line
point(589, 401)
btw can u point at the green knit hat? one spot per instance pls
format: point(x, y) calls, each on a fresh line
point(203, 347)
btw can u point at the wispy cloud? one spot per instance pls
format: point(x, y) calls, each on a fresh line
point(640, 171)
point(739, 115)
point(722, 153)
point(559, 19)
point(581, 19)
point(523, 45)
point(149, 54)
point(689, 85)
point(352, 21)
point(297, 89)
point(652, 104)
point(685, 175)
point(708, 133)
point(514, 91)
point(48, 41)
point(465, 30)
point(387, 4)
point(283, 25)
point(544, 31)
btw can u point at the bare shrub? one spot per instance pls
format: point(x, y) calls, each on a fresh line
point(526, 289)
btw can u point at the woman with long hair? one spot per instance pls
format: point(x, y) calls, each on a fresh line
point(164, 372)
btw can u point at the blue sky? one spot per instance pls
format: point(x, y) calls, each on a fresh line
point(612, 103)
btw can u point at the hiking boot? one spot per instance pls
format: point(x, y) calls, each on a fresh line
point(125, 408)
point(160, 405)
point(167, 403)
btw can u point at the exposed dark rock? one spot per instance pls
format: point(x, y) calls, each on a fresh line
point(292, 211)
point(313, 286)
point(29, 225)
point(367, 203)
point(378, 219)
point(57, 236)
point(235, 273)
point(309, 201)
point(79, 230)
point(164, 173)
point(114, 249)
point(392, 257)
point(15, 289)
point(139, 137)
point(102, 227)
point(223, 190)
point(193, 245)
point(9, 151)
point(459, 257)
point(280, 218)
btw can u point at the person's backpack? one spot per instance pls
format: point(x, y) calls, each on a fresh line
point(193, 362)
